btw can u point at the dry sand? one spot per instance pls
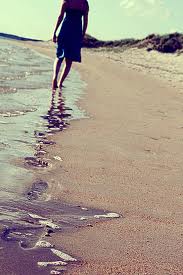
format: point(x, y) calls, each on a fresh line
point(127, 158)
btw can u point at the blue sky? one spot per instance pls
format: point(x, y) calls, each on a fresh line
point(109, 19)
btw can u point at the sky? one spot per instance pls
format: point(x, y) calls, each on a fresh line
point(108, 19)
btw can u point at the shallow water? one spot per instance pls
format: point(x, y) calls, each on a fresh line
point(29, 113)
point(25, 101)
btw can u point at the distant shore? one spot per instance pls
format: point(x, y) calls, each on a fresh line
point(167, 43)
point(127, 158)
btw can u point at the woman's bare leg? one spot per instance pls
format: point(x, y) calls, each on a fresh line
point(65, 72)
point(56, 69)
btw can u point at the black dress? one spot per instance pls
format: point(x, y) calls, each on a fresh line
point(70, 37)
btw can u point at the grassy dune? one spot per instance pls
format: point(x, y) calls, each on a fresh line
point(169, 43)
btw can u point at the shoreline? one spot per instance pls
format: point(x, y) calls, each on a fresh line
point(123, 159)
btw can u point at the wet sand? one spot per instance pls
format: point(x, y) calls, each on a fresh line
point(126, 158)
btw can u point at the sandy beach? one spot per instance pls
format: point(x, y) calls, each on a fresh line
point(125, 157)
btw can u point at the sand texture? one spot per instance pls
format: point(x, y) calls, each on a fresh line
point(125, 158)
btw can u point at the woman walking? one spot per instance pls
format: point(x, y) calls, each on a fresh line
point(74, 15)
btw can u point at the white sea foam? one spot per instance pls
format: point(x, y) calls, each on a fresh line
point(57, 263)
point(83, 218)
point(55, 272)
point(44, 244)
point(108, 215)
point(63, 255)
point(34, 216)
point(58, 158)
point(49, 223)
point(84, 208)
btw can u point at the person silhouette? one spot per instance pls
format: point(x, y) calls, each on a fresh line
point(74, 19)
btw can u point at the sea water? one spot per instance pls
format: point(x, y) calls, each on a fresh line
point(25, 100)
point(29, 111)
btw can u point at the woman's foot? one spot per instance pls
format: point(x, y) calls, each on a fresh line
point(54, 84)
point(61, 86)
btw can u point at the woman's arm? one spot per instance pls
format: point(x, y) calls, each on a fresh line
point(59, 20)
point(85, 20)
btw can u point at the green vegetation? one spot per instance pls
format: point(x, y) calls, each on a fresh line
point(169, 43)
point(91, 42)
